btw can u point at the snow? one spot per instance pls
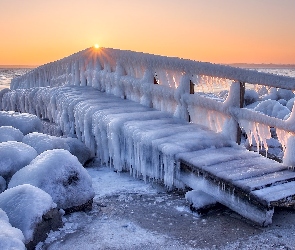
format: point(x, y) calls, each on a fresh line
point(14, 156)
point(9, 133)
point(11, 238)
point(95, 69)
point(42, 142)
point(129, 136)
point(199, 199)
point(112, 227)
point(273, 108)
point(26, 123)
point(24, 206)
point(60, 174)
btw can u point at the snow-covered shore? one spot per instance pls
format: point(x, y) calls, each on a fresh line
point(131, 214)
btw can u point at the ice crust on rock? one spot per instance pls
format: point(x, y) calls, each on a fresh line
point(273, 108)
point(198, 199)
point(60, 174)
point(11, 238)
point(25, 205)
point(26, 123)
point(9, 133)
point(14, 156)
point(42, 142)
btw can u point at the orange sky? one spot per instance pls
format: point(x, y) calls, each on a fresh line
point(34, 32)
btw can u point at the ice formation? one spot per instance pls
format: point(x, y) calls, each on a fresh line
point(11, 238)
point(14, 156)
point(199, 199)
point(64, 92)
point(9, 133)
point(25, 205)
point(60, 174)
point(42, 142)
point(26, 123)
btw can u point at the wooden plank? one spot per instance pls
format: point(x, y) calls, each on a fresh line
point(212, 156)
point(256, 183)
point(276, 193)
point(244, 168)
point(248, 172)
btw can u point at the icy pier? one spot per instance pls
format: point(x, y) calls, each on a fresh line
point(161, 119)
point(154, 145)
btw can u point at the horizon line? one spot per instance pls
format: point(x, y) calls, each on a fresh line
point(264, 65)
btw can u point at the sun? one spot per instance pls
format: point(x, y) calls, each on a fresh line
point(96, 46)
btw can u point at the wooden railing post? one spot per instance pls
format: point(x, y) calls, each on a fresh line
point(242, 99)
point(191, 87)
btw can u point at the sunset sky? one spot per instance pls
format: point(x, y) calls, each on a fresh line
point(34, 32)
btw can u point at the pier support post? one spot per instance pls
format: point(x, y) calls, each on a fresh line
point(242, 99)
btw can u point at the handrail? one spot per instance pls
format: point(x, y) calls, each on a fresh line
point(133, 75)
point(136, 64)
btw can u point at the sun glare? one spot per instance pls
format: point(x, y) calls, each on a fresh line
point(96, 46)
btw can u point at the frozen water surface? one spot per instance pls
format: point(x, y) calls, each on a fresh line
point(131, 214)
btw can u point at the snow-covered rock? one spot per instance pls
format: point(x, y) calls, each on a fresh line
point(42, 142)
point(14, 156)
point(2, 184)
point(273, 108)
point(285, 94)
point(61, 175)
point(26, 206)
point(199, 200)
point(11, 238)
point(26, 123)
point(290, 103)
point(250, 97)
point(78, 149)
point(9, 133)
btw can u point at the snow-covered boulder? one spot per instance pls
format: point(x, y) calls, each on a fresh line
point(273, 108)
point(11, 238)
point(250, 97)
point(285, 94)
point(26, 123)
point(2, 184)
point(61, 175)
point(14, 156)
point(200, 201)
point(78, 148)
point(31, 210)
point(9, 133)
point(42, 142)
point(290, 103)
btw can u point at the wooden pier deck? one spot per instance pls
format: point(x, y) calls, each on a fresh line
point(244, 181)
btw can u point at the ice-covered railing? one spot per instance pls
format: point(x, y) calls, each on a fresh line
point(80, 69)
point(167, 84)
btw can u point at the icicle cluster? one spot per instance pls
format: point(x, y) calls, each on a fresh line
point(119, 132)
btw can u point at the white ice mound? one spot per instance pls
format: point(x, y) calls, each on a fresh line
point(61, 175)
point(14, 156)
point(273, 108)
point(25, 205)
point(199, 199)
point(42, 142)
point(26, 123)
point(9, 133)
point(11, 238)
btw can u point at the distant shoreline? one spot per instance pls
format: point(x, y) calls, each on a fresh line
point(18, 66)
point(238, 65)
point(263, 66)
